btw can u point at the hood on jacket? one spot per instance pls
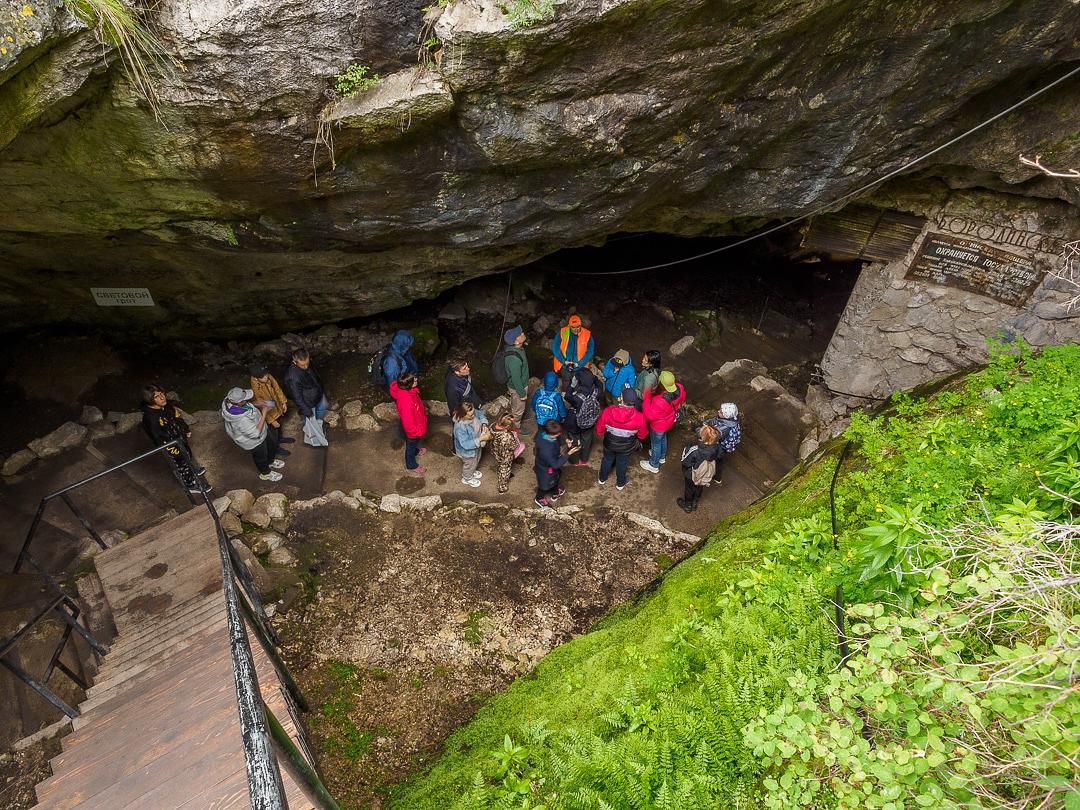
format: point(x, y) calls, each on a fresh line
point(402, 341)
point(586, 381)
point(551, 381)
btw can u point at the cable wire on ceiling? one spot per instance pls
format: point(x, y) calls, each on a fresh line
point(851, 194)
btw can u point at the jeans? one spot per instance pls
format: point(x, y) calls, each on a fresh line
point(412, 446)
point(321, 408)
point(265, 452)
point(657, 447)
point(620, 461)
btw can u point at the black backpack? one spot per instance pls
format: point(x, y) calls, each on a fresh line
point(498, 367)
point(589, 410)
point(375, 367)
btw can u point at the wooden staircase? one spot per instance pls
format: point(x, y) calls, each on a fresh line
point(160, 726)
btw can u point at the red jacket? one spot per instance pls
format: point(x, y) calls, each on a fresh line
point(410, 409)
point(659, 413)
point(621, 426)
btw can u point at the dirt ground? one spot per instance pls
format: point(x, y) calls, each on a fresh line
point(21, 770)
point(418, 617)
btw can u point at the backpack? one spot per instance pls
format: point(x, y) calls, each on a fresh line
point(375, 367)
point(730, 436)
point(546, 407)
point(498, 367)
point(589, 410)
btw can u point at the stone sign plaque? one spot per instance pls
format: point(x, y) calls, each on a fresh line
point(122, 296)
point(975, 266)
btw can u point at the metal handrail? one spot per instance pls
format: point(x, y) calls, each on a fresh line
point(264, 776)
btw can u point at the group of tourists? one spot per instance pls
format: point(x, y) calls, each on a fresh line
point(576, 403)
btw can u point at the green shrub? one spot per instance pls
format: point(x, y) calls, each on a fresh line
point(354, 80)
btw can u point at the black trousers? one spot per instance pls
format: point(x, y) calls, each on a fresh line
point(691, 491)
point(586, 437)
point(264, 453)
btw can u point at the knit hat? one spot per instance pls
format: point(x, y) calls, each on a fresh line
point(729, 411)
point(238, 396)
point(575, 320)
point(622, 357)
point(512, 334)
point(667, 379)
point(629, 396)
point(551, 381)
point(258, 371)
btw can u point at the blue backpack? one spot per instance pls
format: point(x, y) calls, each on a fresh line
point(547, 407)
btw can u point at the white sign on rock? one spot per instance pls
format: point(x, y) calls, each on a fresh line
point(122, 296)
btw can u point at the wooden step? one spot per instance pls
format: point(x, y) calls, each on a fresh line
point(116, 557)
point(170, 643)
point(151, 631)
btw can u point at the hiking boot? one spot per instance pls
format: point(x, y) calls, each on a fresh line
point(684, 505)
point(270, 476)
point(645, 465)
point(543, 503)
point(417, 470)
point(277, 464)
point(281, 452)
point(471, 482)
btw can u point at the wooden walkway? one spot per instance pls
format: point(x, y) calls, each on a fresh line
point(159, 727)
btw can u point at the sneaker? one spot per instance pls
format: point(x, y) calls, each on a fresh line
point(645, 465)
point(600, 481)
point(471, 482)
point(277, 464)
point(477, 475)
point(197, 490)
point(543, 503)
point(417, 470)
point(684, 505)
point(559, 493)
point(421, 451)
point(580, 463)
point(663, 461)
point(200, 470)
point(286, 441)
point(282, 453)
point(270, 476)
point(620, 487)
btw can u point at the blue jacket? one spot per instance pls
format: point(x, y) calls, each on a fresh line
point(571, 349)
point(618, 378)
point(466, 442)
point(551, 385)
point(400, 357)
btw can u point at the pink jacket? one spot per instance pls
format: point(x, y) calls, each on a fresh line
point(410, 409)
point(659, 413)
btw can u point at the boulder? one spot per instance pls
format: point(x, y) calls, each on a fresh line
point(231, 525)
point(363, 500)
point(352, 408)
point(65, 437)
point(17, 462)
point(426, 503)
point(275, 504)
point(541, 325)
point(390, 503)
point(257, 517)
point(312, 503)
point(264, 584)
point(264, 542)
point(763, 383)
point(240, 500)
point(452, 312)
point(363, 421)
point(283, 557)
point(128, 421)
point(385, 412)
point(332, 419)
point(436, 407)
point(681, 345)
point(101, 430)
point(90, 415)
point(222, 504)
point(738, 372)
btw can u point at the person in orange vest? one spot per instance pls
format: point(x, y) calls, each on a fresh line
point(573, 348)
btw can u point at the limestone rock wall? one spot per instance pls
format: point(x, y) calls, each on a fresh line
point(694, 117)
point(897, 331)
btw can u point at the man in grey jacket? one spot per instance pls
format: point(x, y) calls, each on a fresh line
point(245, 424)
